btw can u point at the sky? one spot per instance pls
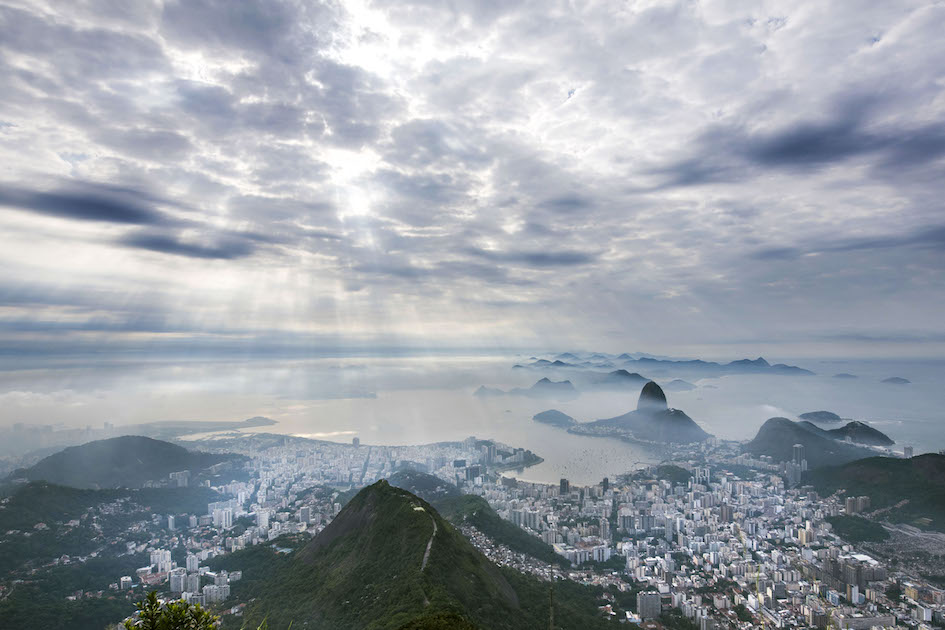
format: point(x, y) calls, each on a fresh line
point(269, 179)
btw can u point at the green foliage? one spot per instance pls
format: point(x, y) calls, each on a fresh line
point(675, 620)
point(742, 612)
point(478, 513)
point(856, 529)
point(673, 474)
point(615, 563)
point(52, 505)
point(171, 616)
point(888, 481)
point(364, 571)
point(894, 593)
point(29, 607)
point(42, 502)
point(439, 621)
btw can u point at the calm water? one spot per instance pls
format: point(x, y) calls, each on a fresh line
point(428, 399)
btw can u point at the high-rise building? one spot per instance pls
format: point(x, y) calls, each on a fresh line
point(176, 580)
point(648, 605)
point(223, 518)
point(798, 454)
point(180, 479)
point(850, 505)
point(564, 487)
point(907, 452)
point(161, 560)
point(605, 484)
point(171, 523)
point(125, 582)
point(356, 441)
point(193, 562)
point(192, 583)
point(214, 593)
point(305, 514)
point(862, 503)
point(262, 519)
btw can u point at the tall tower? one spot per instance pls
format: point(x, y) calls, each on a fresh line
point(798, 454)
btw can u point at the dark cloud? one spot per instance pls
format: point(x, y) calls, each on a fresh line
point(89, 203)
point(538, 259)
point(567, 203)
point(256, 26)
point(731, 154)
point(224, 249)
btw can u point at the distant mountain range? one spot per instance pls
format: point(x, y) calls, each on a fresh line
point(679, 385)
point(128, 461)
point(777, 436)
point(544, 388)
point(652, 420)
point(390, 561)
point(662, 366)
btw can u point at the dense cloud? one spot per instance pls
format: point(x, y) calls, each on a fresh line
point(715, 174)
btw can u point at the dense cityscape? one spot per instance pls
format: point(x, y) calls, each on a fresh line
point(710, 537)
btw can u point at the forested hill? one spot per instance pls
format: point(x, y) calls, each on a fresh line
point(127, 461)
point(389, 561)
point(916, 486)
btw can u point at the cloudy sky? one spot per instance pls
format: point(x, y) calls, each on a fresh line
point(715, 177)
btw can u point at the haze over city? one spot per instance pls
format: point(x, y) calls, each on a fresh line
point(638, 302)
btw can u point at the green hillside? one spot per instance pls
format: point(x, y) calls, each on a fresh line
point(919, 482)
point(127, 461)
point(369, 569)
point(476, 511)
point(54, 506)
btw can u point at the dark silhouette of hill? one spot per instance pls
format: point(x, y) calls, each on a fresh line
point(777, 436)
point(652, 397)
point(617, 379)
point(845, 375)
point(554, 417)
point(820, 416)
point(390, 560)
point(896, 380)
point(695, 368)
point(122, 462)
point(652, 420)
point(543, 388)
point(679, 385)
point(916, 486)
point(861, 433)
